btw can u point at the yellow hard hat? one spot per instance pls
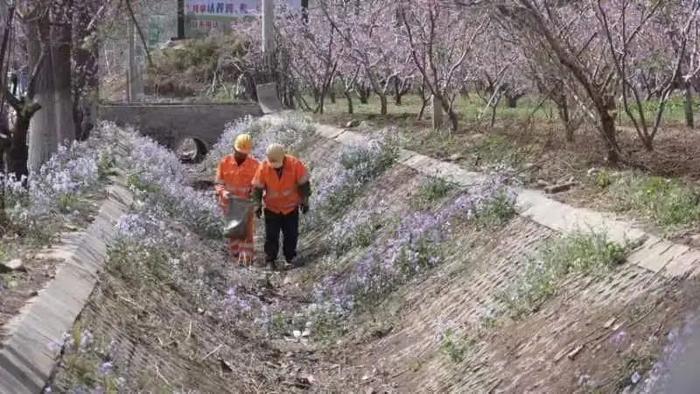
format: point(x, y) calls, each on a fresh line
point(275, 155)
point(243, 144)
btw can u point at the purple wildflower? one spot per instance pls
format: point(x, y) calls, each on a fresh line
point(86, 340)
point(412, 249)
point(106, 368)
point(619, 338)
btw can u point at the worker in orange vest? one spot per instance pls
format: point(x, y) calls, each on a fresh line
point(283, 181)
point(234, 178)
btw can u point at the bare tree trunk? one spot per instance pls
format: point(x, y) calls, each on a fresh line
point(86, 76)
point(512, 100)
point(43, 138)
point(563, 109)
point(319, 98)
point(454, 122)
point(17, 155)
point(8, 12)
point(383, 102)
point(351, 108)
point(321, 101)
point(4, 146)
point(397, 92)
point(423, 106)
point(608, 129)
point(61, 33)
point(290, 97)
point(363, 93)
point(494, 110)
point(688, 105)
point(424, 100)
point(451, 114)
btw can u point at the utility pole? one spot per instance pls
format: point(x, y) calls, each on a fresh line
point(180, 19)
point(268, 31)
point(131, 69)
point(134, 71)
point(268, 38)
point(305, 10)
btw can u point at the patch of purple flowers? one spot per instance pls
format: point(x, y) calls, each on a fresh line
point(71, 172)
point(106, 368)
point(337, 185)
point(291, 131)
point(161, 184)
point(235, 304)
point(224, 145)
point(413, 248)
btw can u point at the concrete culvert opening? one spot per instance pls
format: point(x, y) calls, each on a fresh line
point(191, 150)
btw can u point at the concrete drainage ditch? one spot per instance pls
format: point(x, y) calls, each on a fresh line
point(27, 357)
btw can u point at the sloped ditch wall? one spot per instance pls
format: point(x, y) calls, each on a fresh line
point(32, 342)
point(601, 332)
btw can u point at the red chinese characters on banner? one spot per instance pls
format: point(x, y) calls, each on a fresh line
point(221, 8)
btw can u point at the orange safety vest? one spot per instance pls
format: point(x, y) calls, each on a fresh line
point(282, 193)
point(234, 178)
point(237, 179)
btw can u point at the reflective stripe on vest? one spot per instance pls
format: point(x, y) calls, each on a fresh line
point(290, 206)
point(276, 194)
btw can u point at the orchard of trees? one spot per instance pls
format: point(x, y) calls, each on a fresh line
point(592, 59)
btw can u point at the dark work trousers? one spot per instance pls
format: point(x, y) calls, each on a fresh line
point(289, 226)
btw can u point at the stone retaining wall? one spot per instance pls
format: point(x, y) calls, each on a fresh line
point(170, 124)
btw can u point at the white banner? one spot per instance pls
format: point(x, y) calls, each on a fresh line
point(229, 8)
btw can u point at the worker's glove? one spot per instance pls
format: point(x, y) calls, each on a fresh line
point(304, 207)
point(258, 212)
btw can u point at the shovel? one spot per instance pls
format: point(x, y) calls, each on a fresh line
point(237, 217)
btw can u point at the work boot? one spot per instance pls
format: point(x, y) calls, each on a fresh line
point(271, 264)
point(245, 260)
point(294, 262)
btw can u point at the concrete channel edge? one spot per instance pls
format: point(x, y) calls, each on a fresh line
point(30, 350)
